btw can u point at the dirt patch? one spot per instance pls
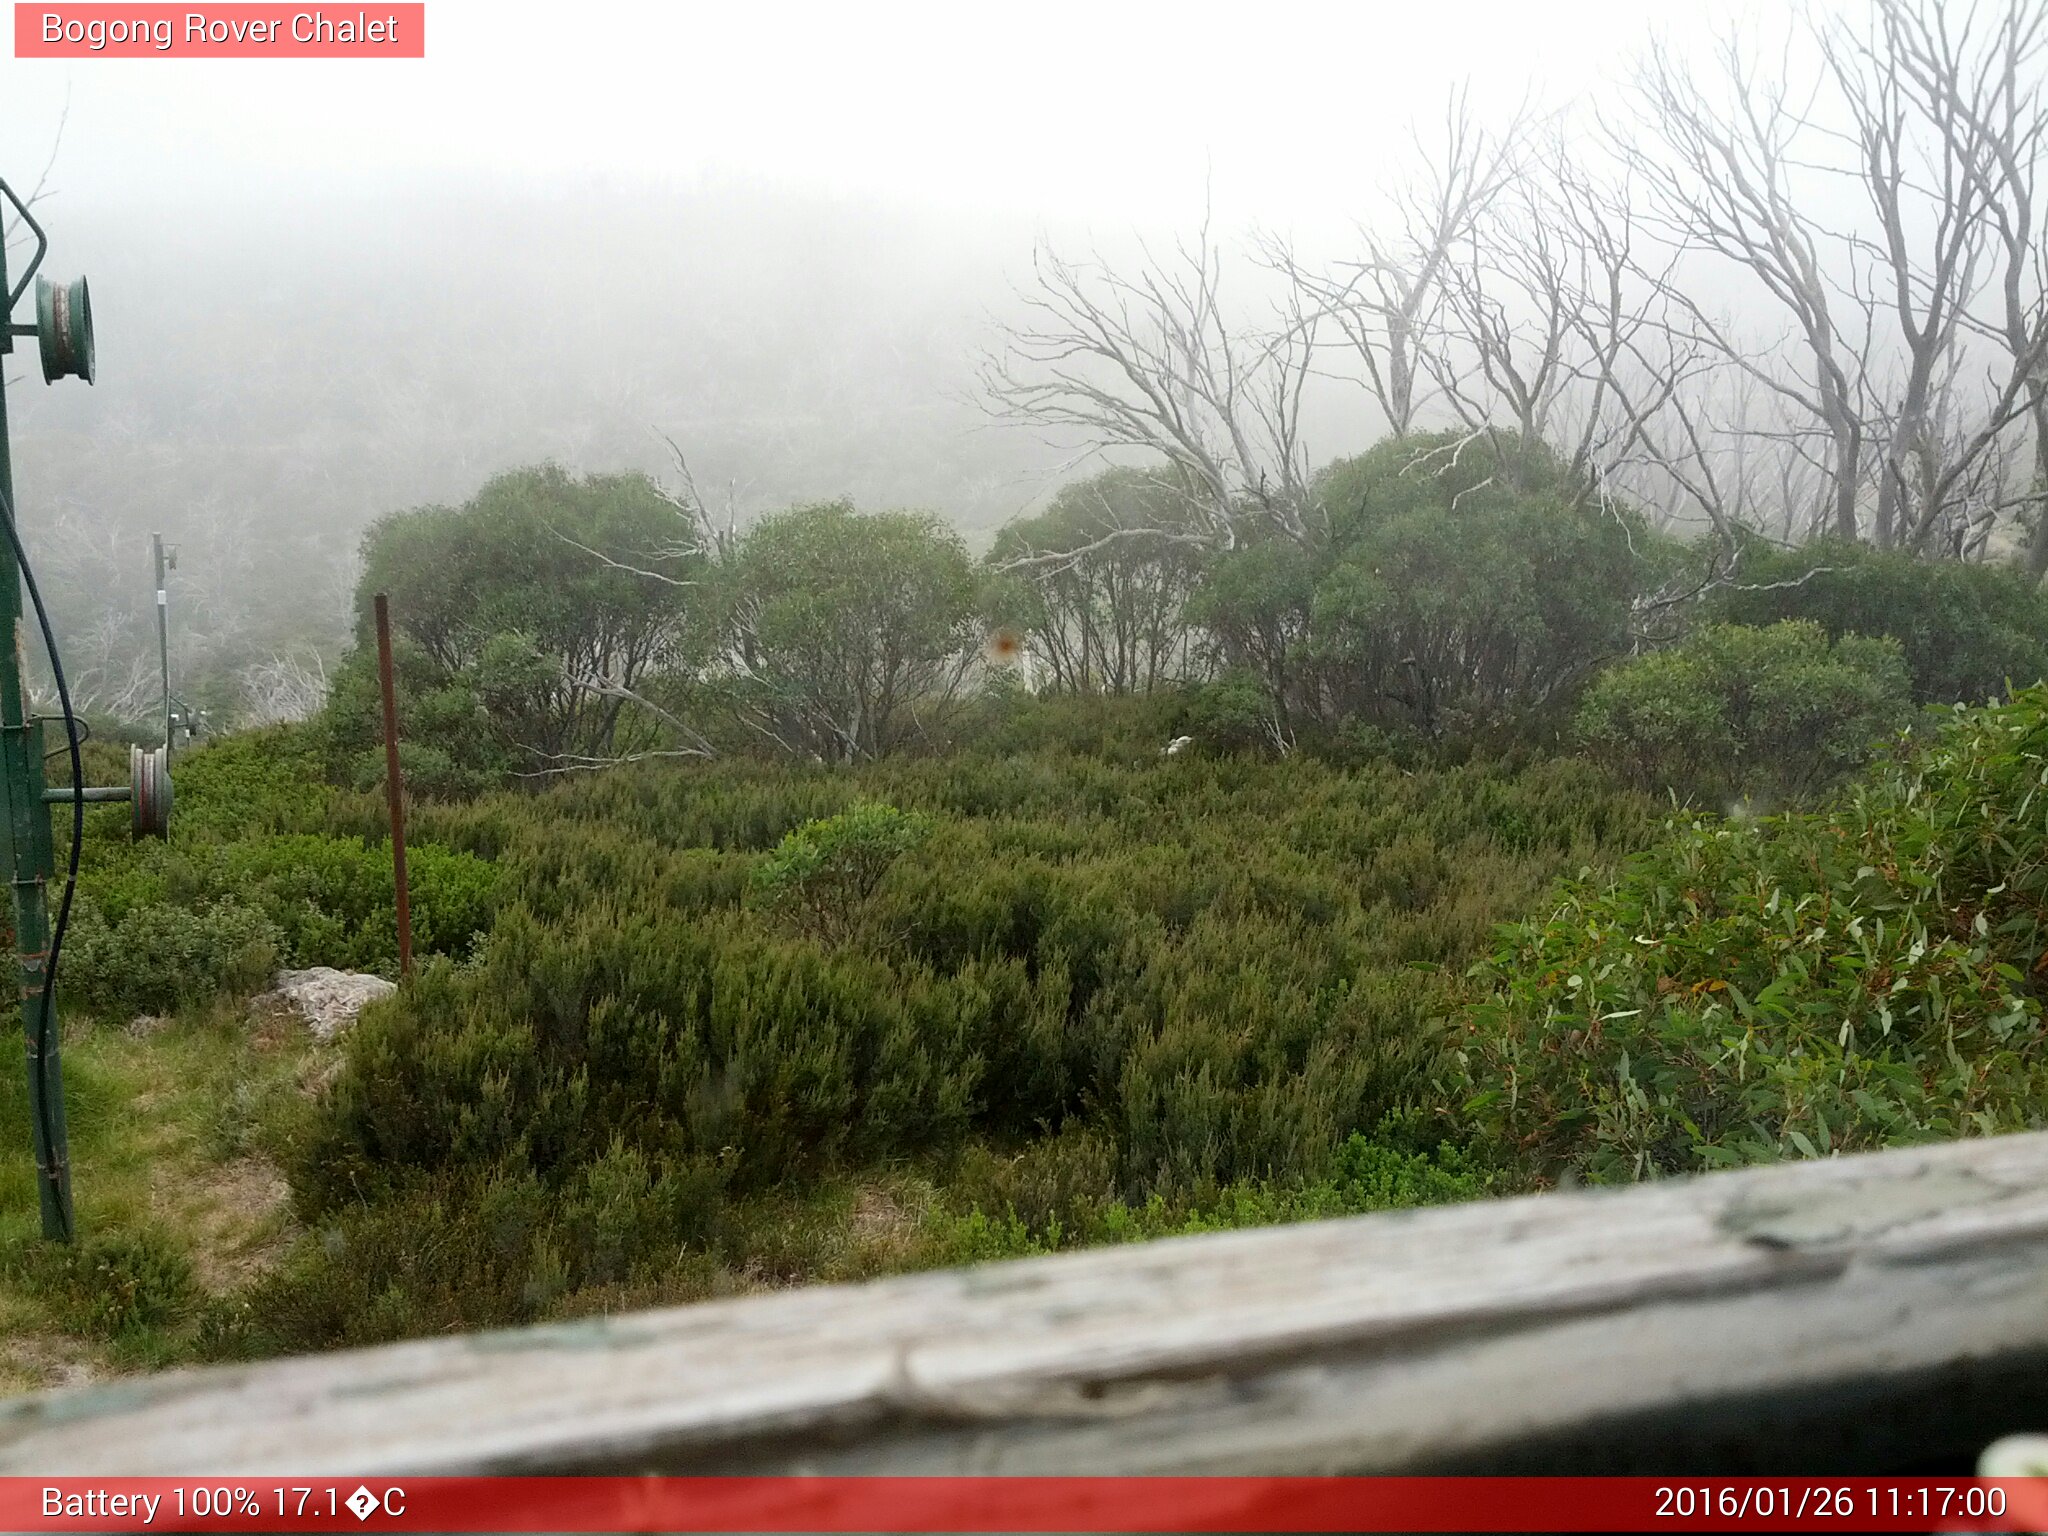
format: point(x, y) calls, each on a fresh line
point(236, 1219)
point(883, 1226)
point(274, 1023)
point(30, 1362)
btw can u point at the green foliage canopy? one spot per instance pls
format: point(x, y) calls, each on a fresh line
point(539, 599)
point(1801, 985)
point(844, 625)
point(1764, 716)
point(1099, 582)
point(1201, 975)
point(824, 871)
point(1967, 629)
point(1470, 583)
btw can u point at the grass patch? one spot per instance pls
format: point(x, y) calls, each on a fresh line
point(176, 1140)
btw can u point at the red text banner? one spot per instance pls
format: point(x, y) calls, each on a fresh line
point(224, 31)
point(1022, 1504)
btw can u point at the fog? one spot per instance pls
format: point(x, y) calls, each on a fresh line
point(327, 290)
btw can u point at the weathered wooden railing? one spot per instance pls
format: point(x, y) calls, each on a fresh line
point(1887, 1312)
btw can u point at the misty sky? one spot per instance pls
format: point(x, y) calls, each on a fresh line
point(1055, 110)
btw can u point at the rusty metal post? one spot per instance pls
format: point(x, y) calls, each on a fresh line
point(394, 786)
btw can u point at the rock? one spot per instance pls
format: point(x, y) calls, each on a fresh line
point(327, 999)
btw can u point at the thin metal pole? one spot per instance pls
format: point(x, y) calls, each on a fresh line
point(394, 786)
point(163, 638)
point(30, 862)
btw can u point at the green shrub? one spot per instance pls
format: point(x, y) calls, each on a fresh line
point(1059, 1181)
point(1145, 981)
point(334, 900)
point(157, 958)
point(1233, 714)
point(824, 872)
point(504, 606)
point(448, 746)
point(244, 884)
point(247, 785)
point(1761, 716)
point(665, 1008)
point(1107, 618)
point(1967, 629)
point(1013, 1218)
point(1473, 582)
point(112, 1284)
point(1809, 984)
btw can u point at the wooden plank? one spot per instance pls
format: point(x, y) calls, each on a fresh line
point(1415, 1339)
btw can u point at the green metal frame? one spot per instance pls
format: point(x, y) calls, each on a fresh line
point(25, 799)
point(30, 858)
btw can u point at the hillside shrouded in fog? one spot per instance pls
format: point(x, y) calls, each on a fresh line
point(266, 391)
point(329, 291)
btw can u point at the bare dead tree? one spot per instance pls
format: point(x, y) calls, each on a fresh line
point(1981, 89)
point(1935, 110)
point(109, 672)
point(1556, 331)
point(1931, 121)
point(713, 533)
point(1722, 177)
point(1152, 360)
point(1386, 302)
point(12, 230)
point(1511, 318)
point(284, 686)
point(1561, 332)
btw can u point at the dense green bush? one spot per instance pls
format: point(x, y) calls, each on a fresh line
point(184, 921)
point(1472, 583)
point(1756, 716)
point(1967, 629)
point(853, 627)
point(158, 956)
point(1454, 585)
point(238, 787)
point(1788, 988)
point(109, 1284)
point(246, 884)
point(1060, 1191)
point(1198, 976)
point(1011, 959)
point(517, 600)
point(1256, 602)
point(448, 748)
point(823, 873)
point(1108, 996)
point(1235, 714)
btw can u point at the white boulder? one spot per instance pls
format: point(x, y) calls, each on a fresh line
point(327, 999)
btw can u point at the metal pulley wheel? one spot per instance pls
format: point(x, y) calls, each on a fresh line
point(64, 329)
point(149, 777)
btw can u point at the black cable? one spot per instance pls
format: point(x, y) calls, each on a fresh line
point(84, 735)
point(28, 580)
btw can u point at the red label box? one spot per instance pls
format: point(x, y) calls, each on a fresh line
point(223, 31)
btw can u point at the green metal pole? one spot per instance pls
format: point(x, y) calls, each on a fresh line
point(30, 863)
